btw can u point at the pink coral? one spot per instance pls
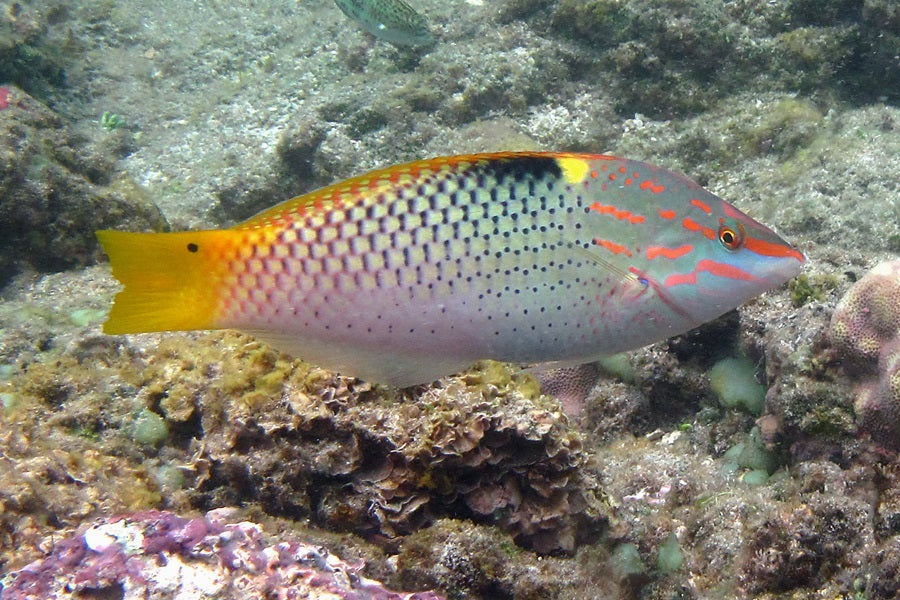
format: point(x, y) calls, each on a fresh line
point(865, 328)
point(157, 554)
point(868, 316)
point(878, 401)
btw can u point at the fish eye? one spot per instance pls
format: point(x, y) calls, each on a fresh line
point(730, 237)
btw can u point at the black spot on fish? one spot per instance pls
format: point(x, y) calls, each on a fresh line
point(522, 167)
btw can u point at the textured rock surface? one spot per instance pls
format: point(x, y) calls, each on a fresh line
point(54, 193)
point(161, 555)
point(868, 316)
point(865, 330)
point(356, 459)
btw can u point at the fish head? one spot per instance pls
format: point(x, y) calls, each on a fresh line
point(712, 257)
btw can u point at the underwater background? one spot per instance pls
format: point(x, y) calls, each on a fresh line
point(756, 456)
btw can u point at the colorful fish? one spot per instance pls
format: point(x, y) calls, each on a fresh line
point(416, 271)
point(393, 21)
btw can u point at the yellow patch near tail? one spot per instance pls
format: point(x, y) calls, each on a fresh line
point(172, 280)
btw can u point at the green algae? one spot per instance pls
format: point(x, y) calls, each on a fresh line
point(669, 557)
point(734, 382)
point(750, 454)
point(808, 288)
point(83, 317)
point(8, 401)
point(618, 366)
point(149, 429)
point(787, 126)
point(170, 477)
point(626, 561)
point(755, 477)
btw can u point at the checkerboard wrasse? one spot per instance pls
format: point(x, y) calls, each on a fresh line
point(413, 272)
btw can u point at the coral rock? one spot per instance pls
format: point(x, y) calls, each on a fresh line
point(55, 191)
point(865, 328)
point(161, 555)
point(355, 459)
point(868, 316)
point(878, 402)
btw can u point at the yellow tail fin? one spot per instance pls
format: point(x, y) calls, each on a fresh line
point(172, 280)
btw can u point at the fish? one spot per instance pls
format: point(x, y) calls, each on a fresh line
point(409, 273)
point(393, 21)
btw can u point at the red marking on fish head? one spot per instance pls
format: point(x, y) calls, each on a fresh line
point(701, 205)
point(692, 225)
point(613, 247)
point(667, 252)
point(656, 188)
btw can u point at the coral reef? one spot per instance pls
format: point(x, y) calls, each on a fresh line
point(54, 193)
point(793, 550)
point(786, 108)
point(669, 58)
point(34, 50)
point(159, 554)
point(868, 316)
point(474, 561)
point(480, 445)
point(877, 403)
point(865, 329)
point(301, 442)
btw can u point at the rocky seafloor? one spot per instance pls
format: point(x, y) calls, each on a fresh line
point(211, 465)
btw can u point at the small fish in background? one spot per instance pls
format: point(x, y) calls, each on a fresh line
point(409, 273)
point(393, 21)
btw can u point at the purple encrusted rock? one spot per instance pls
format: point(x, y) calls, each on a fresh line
point(157, 554)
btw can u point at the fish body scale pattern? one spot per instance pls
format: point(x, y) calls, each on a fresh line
point(510, 258)
point(392, 20)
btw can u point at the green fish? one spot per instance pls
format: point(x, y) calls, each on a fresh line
point(393, 21)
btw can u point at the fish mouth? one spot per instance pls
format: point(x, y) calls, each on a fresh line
point(786, 268)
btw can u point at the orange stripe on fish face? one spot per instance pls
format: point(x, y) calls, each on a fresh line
point(765, 248)
point(701, 205)
point(670, 253)
point(692, 225)
point(648, 281)
point(622, 215)
point(709, 266)
point(613, 247)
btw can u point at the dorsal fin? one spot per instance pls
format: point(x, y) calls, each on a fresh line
point(357, 189)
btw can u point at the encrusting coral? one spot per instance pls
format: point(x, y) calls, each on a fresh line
point(340, 451)
point(877, 403)
point(868, 316)
point(865, 328)
point(157, 554)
